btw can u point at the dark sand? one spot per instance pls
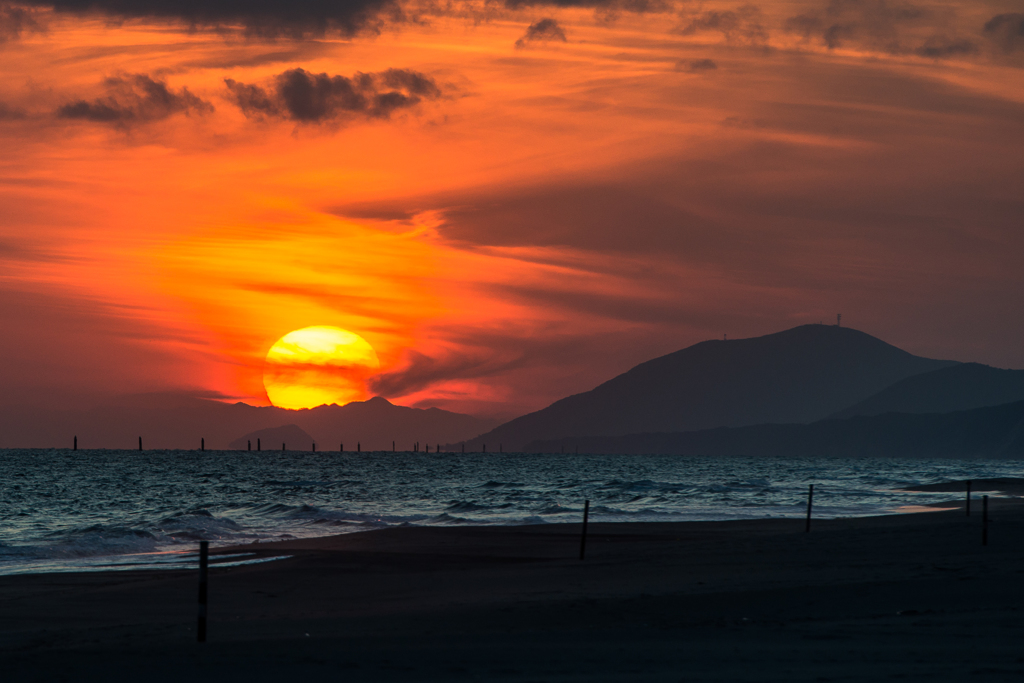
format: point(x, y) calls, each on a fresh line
point(903, 597)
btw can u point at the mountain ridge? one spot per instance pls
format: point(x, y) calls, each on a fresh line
point(991, 432)
point(797, 375)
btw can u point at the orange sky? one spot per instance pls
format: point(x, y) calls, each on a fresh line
point(573, 189)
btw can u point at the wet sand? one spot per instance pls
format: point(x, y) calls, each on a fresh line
point(910, 597)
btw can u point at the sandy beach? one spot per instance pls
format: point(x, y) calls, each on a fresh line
point(909, 596)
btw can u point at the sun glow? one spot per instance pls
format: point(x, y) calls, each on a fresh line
point(318, 365)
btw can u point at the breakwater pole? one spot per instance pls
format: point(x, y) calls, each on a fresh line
point(204, 563)
point(342, 449)
point(984, 520)
point(359, 447)
point(140, 443)
point(583, 536)
point(810, 504)
point(968, 505)
point(392, 446)
point(202, 444)
point(75, 446)
point(282, 448)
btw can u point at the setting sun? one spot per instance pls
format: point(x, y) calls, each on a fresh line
point(318, 365)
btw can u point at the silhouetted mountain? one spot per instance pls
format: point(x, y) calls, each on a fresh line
point(275, 438)
point(799, 375)
point(993, 432)
point(960, 387)
point(177, 421)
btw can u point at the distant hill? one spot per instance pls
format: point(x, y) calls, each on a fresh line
point(177, 421)
point(993, 432)
point(800, 375)
point(959, 387)
point(274, 439)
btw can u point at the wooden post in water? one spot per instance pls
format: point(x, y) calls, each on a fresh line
point(359, 447)
point(968, 506)
point(257, 445)
point(314, 447)
point(282, 447)
point(583, 536)
point(810, 503)
point(204, 559)
point(984, 520)
point(202, 444)
point(342, 449)
point(248, 446)
point(75, 447)
point(140, 443)
point(392, 446)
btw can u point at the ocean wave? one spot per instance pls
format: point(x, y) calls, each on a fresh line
point(199, 525)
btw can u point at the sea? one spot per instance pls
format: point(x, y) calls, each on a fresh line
point(110, 510)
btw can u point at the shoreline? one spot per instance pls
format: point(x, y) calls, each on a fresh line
point(855, 598)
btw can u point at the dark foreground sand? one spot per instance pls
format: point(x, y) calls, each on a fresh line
point(908, 597)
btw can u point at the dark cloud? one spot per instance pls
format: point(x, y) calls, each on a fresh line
point(545, 29)
point(14, 21)
point(876, 25)
point(939, 47)
point(302, 96)
point(421, 371)
point(696, 65)
point(743, 25)
point(1006, 31)
point(635, 6)
point(132, 99)
point(259, 18)
point(8, 113)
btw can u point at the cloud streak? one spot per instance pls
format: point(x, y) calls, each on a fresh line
point(259, 18)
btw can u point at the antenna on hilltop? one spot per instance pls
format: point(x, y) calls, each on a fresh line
point(839, 319)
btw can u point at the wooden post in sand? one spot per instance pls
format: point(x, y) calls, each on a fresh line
point(968, 506)
point(583, 536)
point(810, 503)
point(984, 520)
point(204, 559)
